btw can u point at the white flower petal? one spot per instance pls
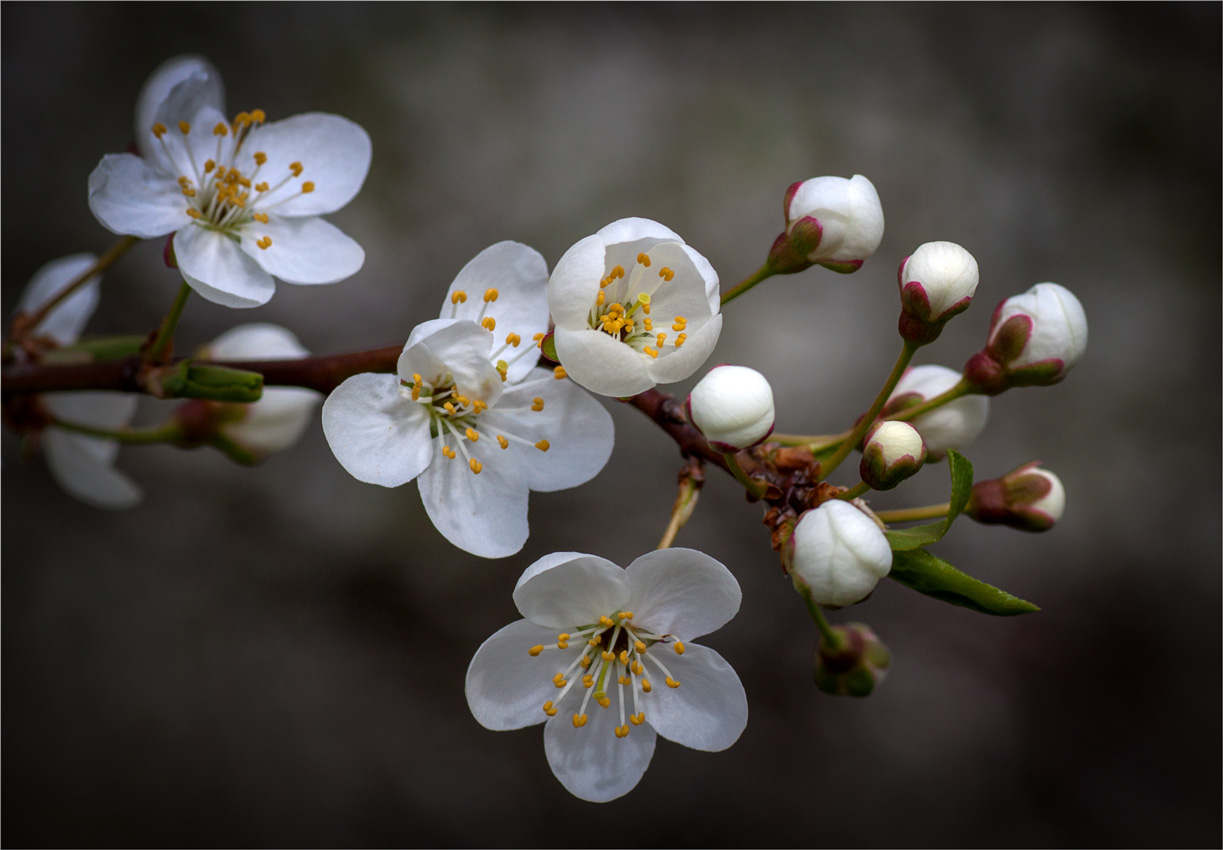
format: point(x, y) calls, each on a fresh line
point(951, 426)
point(334, 153)
point(574, 284)
point(198, 82)
point(678, 297)
point(303, 250)
point(636, 229)
point(65, 323)
point(106, 410)
point(130, 196)
point(506, 688)
point(601, 364)
point(713, 292)
point(708, 711)
point(578, 429)
point(453, 348)
point(484, 514)
point(520, 276)
point(216, 268)
point(675, 364)
point(568, 589)
point(375, 433)
point(276, 421)
point(255, 341)
point(74, 463)
point(682, 592)
point(591, 762)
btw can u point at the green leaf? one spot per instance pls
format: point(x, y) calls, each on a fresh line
point(908, 539)
point(936, 578)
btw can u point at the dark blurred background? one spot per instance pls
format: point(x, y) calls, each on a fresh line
point(276, 656)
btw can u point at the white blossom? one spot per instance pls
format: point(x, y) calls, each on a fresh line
point(604, 658)
point(469, 414)
point(937, 282)
point(634, 307)
point(242, 197)
point(844, 215)
point(733, 407)
point(1034, 340)
point(838, 553)
point(951, 426)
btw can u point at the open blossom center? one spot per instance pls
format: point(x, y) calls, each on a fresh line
point(622, 306)
point(611, 652)
point(220, 195)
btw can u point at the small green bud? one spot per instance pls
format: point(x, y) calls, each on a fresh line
point(187, 379)
point(854, 665)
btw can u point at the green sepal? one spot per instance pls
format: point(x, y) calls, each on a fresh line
point(547, 347)
point(97, 350)
point(908, 539)
point(214, 383)
point(936, 578)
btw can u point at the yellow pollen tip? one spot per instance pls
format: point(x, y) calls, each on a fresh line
point(650, 351)
point(262, 218)
point(618, 271)
point(638, 667)
point(639, 646)
point(475, 465)
point(473, 434)
point(240, 119)
point(159, 130)
point(537, 404)
point(560, 683)
point(415, 393)
point(563, 636)
point(663, 272)
point(649, 324)
point(503, 442)
point(458, 297)
point(543, 445)
point(222, 129)
point(600, 298)
point(637, 719)
point(679, 647)
point(539, 337)
point(535, 650)
point(416, 378)
point(579, 720)
point(624, 656)
point(585, 662)
point(644, 259)
point(188, 191)
point(193, 212)
point(624, 680)
point(549, 709)
point(625, 615)
point(258, 116)
point(448, 452)
point(596, 640)
point(679, 340)
point(513, 339)
point(662, 337)
point(261, 187)
point(208, 166)
point(646, 686)
point(606, 621)
point(260, 157)
point(559, 373)
point(608, 655)
point(265, 242)
point(562, 644)
point(184, 127)
point(296, 168)
point(620, 733)
point(603, 701)
point(489, 323)
point(449, 407)
point(490, 295)
point(671, 683)
point(307, 187)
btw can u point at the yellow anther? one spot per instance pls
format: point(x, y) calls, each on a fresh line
point(184, 127)
point(188, 191)
point(543, 445)
point(261, 187)
point(603, 701)
point(307, 187)
point(296, 168)
point(608, 655)
point(646, 686)
point(650, 351)
point(220, 171)
point(664, 271)
point(159, 130)
point(620, 731)
point(458, 297)
point(265, 242)
point(624, 680)
point(645, 308)
point(679, 647)
point(241, 119)
point(671, 683)
point(503, 442)
point(208, 166)
point(537, 404)
point(637, 719)
point(559, 677)
point(596, 640)
point(539, 337)
point(490, 295)
point(588, 681)
point(679, 340)
point(244, 183)
point(600, 298)
point(258, 116)
point(488, 323)
point(417, 379)
point(563, 636)
point(662, 337)
point(184, 180)
point(648, 324)
point(606, 621)
point(473, 434)
point(475, 465)
point(513, 339)
point(260, 157)
point(625, 615)
point(535, 650)
point(194, 213)
point(222, 129)
point(262, 218)
point(415, 393)
point(560, 683)
point(559, 373)
point(549, 709)
point(639, 646)
point(638, 667)
point(448, 452)
point(618, 271)
point(579, 720)
point(449, 407)
point(562, 644)
point(585, 662)
point(503, 369)
point(477, 406)
point(644, 259)
point(624, 656)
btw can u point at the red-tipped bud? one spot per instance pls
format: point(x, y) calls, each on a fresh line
point(937, 282)
point(1028, 498)
point(893, 452)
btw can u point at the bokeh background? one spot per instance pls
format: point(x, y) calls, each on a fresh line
point(276, 656)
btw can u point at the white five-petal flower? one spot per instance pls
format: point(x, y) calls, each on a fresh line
point(469, 415)
point(83, 465)
point(241, 197)
point(604, 657)
point(281, 415)
point(634, 307)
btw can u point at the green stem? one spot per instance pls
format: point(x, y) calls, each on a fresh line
point(960, 390)
point(167, 433)
point(910, 514)
point(855, 491)
point(817, 616)
point(159, 351)
point(756, 488)
point(104, 262)
point(815, 442)
point(855, 436)
point(747, 283)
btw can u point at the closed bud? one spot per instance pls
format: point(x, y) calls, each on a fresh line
point(830, 221)
point(951, 426)
point(1034, 340)
point(1028, 498)
point(937, 281)
point(188, 379)
point(837, 554)
point(854, 664)
point(893, 452)
point(733, 407)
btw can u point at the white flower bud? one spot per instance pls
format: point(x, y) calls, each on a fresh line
point(838, 554)
point(937, 281)
point(1027, 498)
point(733, 407)
point(833, 221)
point(951, 426)
point(1034, 340)
point(893, 452)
